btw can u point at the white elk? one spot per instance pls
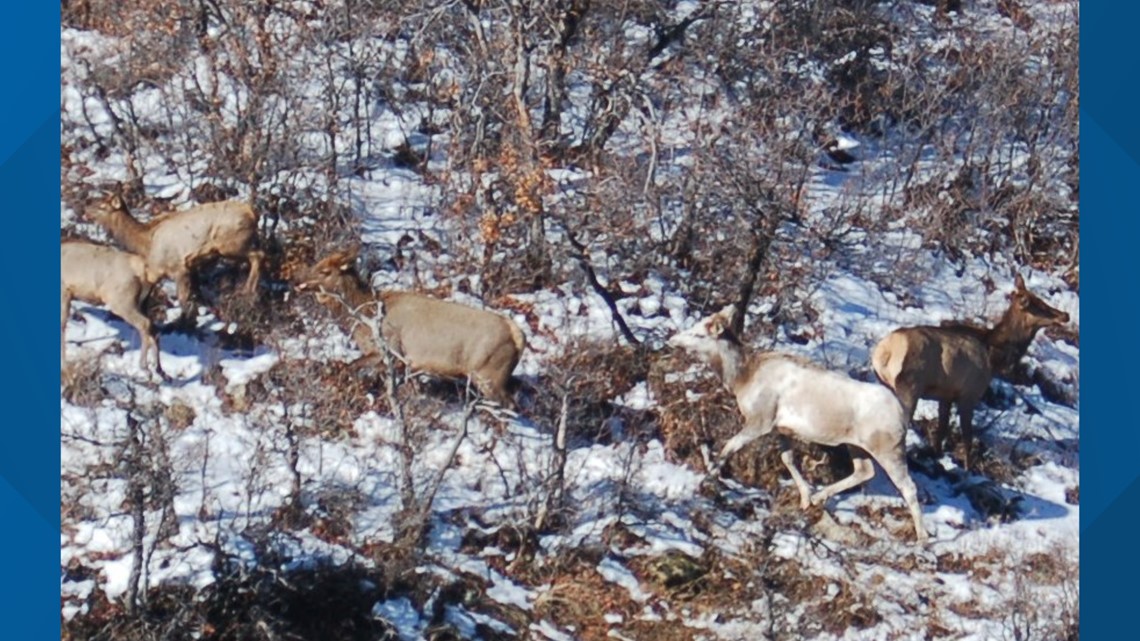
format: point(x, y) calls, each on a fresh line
point(110, 277)
point(794, 397)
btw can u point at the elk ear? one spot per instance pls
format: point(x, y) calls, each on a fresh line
point(348, 256)
point(1019, 283)
point(717, 325)
point(116, 202)
point(727, 313)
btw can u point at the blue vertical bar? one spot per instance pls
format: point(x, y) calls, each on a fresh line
point(1110, 227)
point(29, 458)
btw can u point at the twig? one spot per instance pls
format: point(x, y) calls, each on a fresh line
point(425, 507)
point(557, 493)
point(580, 254)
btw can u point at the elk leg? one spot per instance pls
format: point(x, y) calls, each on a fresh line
point(907, 399)
point(498, 395)
point(938, 441)
point(787, 457)
point(145, 328)
point(496, 389)
point(894, 464)
point(185, 297)
point(737, 442)
point(366, 361)
point(864, 471)
point(754, 427)
point(484, 386)
point(255, 257)
point(966, 416)
point(730, 447)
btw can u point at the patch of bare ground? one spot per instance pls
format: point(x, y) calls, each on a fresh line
point(333, 392)
point(1073, 495)
point(848, 608)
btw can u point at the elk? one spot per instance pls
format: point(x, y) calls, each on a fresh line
point(440, 337)
point(954, 363)
point(118, 280)
point(172, 243)
point(796, 398)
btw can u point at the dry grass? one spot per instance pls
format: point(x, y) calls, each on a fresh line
point(580, 598)
point(82, 382)
point(333, 393)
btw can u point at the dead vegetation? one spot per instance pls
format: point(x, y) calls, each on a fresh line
point(323, 602)
point(593, 415)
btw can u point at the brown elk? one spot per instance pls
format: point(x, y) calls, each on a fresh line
point(174, 242)
point(796, 398)
point(431, 335)
point(954, 363)
point(106, 276)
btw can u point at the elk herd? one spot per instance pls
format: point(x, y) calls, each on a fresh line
point(952, 364)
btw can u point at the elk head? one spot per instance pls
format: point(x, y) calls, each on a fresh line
point(1035, 312)
point(331, 274)
point(702, 337)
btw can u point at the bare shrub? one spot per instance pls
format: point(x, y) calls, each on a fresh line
point(689, 424)
point(326, 601)
point(329, 395)
point(83, 383)
point(592, 414)
point(1044, 600)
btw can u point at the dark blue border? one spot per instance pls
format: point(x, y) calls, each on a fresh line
point(29, 458)
point(1110, 235)
point(1110, 231)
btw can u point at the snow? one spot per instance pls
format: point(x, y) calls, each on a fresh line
point(614, 572)
point(402, 615)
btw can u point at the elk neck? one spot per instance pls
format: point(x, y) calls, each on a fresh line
point(133, 235)
point(729, 362)
point(355, 300)
point(1008, 341)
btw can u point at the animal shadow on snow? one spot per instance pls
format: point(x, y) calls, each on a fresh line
point(126, 338)
point(205, 346)
point(977, 495)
